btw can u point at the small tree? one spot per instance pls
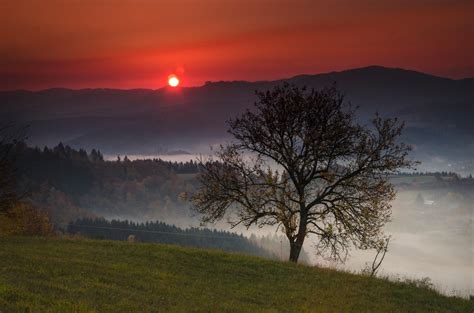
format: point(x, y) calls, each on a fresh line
point(300, 161)
point(381, 250)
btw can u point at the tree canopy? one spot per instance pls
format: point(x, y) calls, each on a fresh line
point(301, 161)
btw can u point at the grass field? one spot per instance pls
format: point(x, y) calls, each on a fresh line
point(72, 275)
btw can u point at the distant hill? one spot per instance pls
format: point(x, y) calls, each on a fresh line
point(74, 275)
point(438, 111)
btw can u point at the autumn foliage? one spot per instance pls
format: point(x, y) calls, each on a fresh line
point(25, 219)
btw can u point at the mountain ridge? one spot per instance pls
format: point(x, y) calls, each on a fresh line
point(135, 121)
point(356, 69)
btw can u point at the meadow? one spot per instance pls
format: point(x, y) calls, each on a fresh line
point(81, 275)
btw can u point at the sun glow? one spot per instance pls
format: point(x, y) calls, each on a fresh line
point(173, 81)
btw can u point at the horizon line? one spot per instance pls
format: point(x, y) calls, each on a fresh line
point(374, 66)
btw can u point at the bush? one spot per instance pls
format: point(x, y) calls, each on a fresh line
point(25, 219)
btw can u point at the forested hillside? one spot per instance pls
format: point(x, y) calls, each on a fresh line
point(71, 184)
point(160, 232)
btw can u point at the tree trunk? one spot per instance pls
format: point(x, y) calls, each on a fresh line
point(296, 243)
point(295, 249)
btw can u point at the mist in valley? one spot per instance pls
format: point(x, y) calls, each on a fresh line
point(430, 238)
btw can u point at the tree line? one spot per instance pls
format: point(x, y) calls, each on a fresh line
point(71, 183)
point(160, 232)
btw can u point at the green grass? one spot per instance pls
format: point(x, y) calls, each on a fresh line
point(66, 275)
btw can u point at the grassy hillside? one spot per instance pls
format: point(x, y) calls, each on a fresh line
point(64, 275)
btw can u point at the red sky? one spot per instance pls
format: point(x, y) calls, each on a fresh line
point(137, 44)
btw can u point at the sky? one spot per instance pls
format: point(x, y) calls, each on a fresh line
point(138, 43)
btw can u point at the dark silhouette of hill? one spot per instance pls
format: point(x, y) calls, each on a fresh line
point(438, 111)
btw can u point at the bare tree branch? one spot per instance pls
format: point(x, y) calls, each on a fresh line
point(330, 177)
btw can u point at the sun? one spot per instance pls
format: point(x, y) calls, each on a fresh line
point(173, 81)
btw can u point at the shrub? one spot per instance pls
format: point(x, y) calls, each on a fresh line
point(25, 219)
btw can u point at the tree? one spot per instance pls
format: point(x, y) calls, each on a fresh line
point(11, 138)
point(299, 160)
point(381, 250)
